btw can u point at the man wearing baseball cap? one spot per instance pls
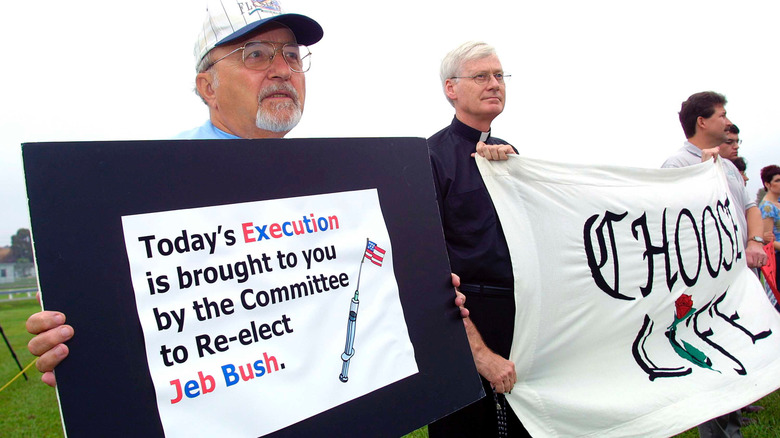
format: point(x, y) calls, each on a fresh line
point(250, 59)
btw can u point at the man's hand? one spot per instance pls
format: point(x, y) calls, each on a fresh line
point(51, 333)
point(755, 255)
point(706, 154)
point(496, 370)
point(494, 151)
point(460, 299)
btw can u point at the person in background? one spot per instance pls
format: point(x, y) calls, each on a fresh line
point(729, 149)
point(741, 166)
point(706, 127)
point(770, 208)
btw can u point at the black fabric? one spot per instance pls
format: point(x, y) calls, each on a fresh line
point(475, 240)
point(479, 255)
point(477, 420)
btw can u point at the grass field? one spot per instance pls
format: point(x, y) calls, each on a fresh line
point(29, 408)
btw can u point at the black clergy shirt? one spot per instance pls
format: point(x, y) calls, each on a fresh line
point(475, 240)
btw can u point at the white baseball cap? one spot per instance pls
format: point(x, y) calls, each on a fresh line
point(229, 20)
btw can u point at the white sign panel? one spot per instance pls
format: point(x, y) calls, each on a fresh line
point(259, 315)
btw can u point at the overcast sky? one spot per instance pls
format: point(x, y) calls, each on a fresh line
point(592, 82)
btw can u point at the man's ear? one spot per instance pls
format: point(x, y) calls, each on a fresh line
point(449, 89)
point(701, 122)
point(204, 82)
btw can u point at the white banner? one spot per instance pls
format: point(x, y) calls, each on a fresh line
point(636, 312)
point(259, 315)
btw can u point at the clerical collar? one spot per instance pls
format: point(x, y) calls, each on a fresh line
point(466, 131)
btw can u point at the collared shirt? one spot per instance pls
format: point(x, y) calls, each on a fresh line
point(475, 240)
point(690, 155)
point(206, 131)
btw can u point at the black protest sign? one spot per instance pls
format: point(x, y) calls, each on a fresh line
point(250, 287)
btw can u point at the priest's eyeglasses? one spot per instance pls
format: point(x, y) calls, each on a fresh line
point(482, 78)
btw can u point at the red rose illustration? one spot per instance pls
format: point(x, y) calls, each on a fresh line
point(683, 305)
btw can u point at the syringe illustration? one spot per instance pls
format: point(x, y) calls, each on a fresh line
point(376, 255)
point(349, 351)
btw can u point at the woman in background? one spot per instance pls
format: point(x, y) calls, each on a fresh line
point(770, 208)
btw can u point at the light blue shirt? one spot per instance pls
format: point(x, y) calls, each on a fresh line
point(206, 131)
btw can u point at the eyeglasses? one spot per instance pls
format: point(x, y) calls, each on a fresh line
point(259, 55)
point(482, 78)
point(731, 141)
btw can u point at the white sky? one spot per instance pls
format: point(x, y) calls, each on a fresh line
point(593, 82)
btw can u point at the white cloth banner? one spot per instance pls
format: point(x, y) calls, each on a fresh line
point(636, 312)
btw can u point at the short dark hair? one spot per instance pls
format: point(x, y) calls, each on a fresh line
point(733, 129)
point(769, 172)
point(698, 105)
point(740, 164)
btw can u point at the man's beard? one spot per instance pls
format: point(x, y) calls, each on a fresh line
point(283, 116)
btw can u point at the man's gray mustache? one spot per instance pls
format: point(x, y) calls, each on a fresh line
point(284, 88)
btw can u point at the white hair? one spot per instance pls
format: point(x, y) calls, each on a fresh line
point(453, 61)
point(273, 120)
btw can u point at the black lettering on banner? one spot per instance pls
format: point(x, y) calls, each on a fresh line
point(689, 281)
point(650, 251)
point(643, 359)
point(596, 265)
point(712, 271)
point(706, 334)
point(732, 320)
point(721, 207)
point(713, 317)
point(599, 253)
point(670, 279)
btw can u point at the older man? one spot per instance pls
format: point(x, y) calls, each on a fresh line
point(250, 65)
point(252, 79)
point(474, 83)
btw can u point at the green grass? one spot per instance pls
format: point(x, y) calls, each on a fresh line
point(29, 408)
point(767, 423)
point(419, 433)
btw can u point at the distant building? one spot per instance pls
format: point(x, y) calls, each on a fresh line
point(7, 271)
point(10, 269)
